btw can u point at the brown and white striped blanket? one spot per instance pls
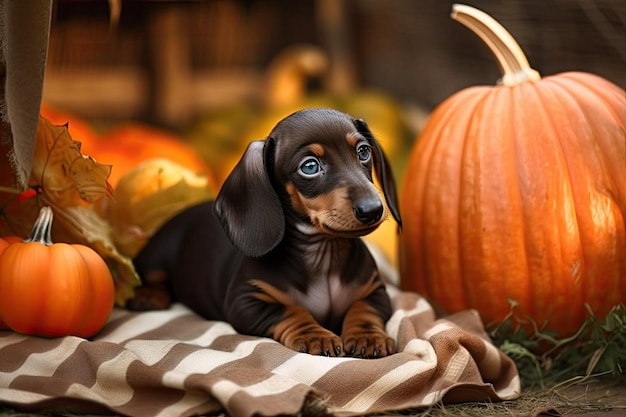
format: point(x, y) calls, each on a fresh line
point(174, 363)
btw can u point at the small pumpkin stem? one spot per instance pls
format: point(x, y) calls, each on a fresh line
point(511, 59)
point(41, 230)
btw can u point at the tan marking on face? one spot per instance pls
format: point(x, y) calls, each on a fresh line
point(296, 198)
point(317, 150)
point(331, 212)
point(352, 139)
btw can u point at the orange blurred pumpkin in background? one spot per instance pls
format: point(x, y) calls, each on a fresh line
point(126, 145)
point(518, 192)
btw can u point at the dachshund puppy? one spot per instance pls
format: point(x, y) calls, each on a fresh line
point(278, 253)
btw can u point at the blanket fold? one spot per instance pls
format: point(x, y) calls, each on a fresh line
point(174, 363)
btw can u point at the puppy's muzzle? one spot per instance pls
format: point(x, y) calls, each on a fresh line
point(368, 211)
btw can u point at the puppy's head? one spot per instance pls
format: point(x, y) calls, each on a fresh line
point(317, 164)
point(323, 166)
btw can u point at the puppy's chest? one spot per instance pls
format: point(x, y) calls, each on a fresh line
point(327, 296)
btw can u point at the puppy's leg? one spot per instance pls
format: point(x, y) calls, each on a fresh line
point(363, 332)
point(259, 308)
point(153, 294)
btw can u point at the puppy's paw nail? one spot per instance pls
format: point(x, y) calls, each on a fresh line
point(338, 351)
point(377, 351)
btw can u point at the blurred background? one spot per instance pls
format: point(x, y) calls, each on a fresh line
point(215, 74)
point(169, 62)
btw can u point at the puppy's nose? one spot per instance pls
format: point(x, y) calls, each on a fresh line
point(368, 211)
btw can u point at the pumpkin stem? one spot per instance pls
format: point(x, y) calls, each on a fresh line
point(287, 74)
point(511, 59)
point(41, 230)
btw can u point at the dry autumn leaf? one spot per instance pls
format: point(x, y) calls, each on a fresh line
point(69, 182)
point(66, 176)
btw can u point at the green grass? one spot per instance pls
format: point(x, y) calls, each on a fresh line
point(543, 360)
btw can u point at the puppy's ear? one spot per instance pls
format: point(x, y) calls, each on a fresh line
point(247, 206)
point(382, 169)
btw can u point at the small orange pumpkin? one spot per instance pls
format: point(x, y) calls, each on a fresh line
point(54, 289)
point(518, 192)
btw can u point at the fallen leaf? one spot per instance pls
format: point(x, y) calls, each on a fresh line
point(65, 175)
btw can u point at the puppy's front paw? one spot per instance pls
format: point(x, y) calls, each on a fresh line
point(369, 344)
point(316, 341)
point(298, 330)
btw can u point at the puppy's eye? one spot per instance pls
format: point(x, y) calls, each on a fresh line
point(310, 166)
point(364, 152)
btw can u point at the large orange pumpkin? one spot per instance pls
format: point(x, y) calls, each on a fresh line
point(518, 192)
point(54, 289)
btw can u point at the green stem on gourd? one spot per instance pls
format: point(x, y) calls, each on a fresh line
point(511, 59)
point(42, 228)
